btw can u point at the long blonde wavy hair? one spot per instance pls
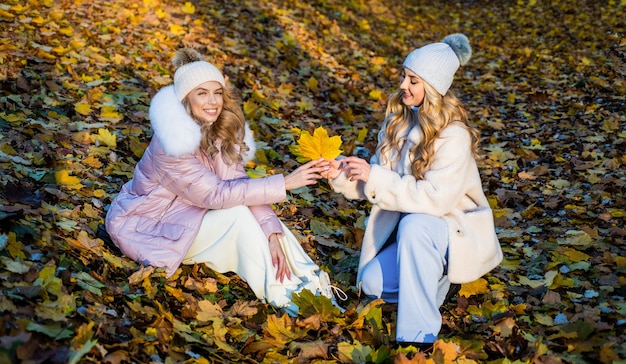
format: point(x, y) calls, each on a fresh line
point(228, 132)
point(434, 115)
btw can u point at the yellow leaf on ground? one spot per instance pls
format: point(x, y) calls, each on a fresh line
point(67, 31)
point(109, 112)
point(479, 286)
point(376, 94)
point(99, 193)
point(92, 161)
point(63, 178)
point(177, 29)
point(280, 331)
point(353, 352)
point(189, 8)
point(449, 350)
point(313, 84)
point(105, 137)
point(575, 255)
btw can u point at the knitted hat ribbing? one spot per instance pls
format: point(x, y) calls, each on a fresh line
point(192, 71)
point(436, 63)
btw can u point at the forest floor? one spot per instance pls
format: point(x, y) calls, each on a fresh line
point(545, 86)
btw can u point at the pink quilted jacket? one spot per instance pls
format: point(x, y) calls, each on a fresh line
point(156, 216)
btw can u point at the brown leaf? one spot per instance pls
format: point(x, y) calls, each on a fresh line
point(203, 286)
point(417, 358)
point(310, 350)
point(551, 298)
point(244, 308)
point(140, 275)
point(117, 357)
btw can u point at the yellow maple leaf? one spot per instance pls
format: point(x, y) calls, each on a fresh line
point(92, 161)
point(110, 113)
point(5, 14)
point(105, 137)
point(189, 8)
point(160, 13)
point(99, 193)
point(318, 145)
point(63, 178)
point(313, 84)
point(448, 349)
point(67, 31)
point(39, 20)
point(280, 331)
point(177, 29)
point(376, 94)
point(285, 89)
point(83, 109)
point(479, 286)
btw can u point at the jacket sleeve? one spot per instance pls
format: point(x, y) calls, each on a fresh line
point(264, 214)
point(267, 218)
point(442, 186)
point(187, 177)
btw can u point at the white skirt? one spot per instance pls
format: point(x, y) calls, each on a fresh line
point(231, 240)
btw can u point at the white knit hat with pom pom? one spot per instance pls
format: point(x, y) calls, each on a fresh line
point(192, 71)
point(436, 63)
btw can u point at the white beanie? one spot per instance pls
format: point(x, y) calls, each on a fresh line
point(192, 71)
point(436, 63)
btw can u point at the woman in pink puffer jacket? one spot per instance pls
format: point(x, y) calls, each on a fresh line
point(190, 200)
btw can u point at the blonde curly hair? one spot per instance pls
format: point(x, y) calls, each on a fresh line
point(434, 115)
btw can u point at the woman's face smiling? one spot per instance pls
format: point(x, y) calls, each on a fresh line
point(206, 101)
point(413, 87)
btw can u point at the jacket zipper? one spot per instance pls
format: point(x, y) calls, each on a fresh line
point(166, 208)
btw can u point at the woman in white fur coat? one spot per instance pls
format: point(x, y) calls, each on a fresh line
point(430, 222)
point(190, 200)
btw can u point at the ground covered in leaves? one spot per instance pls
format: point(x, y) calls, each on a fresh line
point(546, 87)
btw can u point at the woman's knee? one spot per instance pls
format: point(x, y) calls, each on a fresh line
point(372, 279)
point(241, 215)
point(419, 231)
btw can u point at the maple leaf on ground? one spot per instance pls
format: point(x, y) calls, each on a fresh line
point(244, 308)
point(281, 331)
point(316, 146)
point(479, 286)
point(309, 350)
point(208, 311)
point(63, 178)
point(310, 304)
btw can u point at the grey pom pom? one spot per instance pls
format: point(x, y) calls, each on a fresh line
point(460, 45)
point(186, 55)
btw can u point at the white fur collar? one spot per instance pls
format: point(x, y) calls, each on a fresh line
point(176, 130)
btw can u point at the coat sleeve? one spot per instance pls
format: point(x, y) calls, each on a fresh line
point(267, 218)
point(187, 177)
point(264, 214)
point(441, 188)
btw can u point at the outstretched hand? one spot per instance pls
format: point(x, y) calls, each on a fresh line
point(356, 169)
point(306, 174)
point(334, 168)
